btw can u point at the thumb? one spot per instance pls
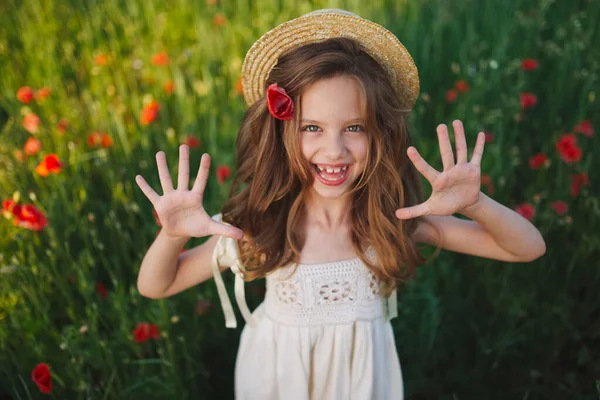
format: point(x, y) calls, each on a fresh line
point(227, 230)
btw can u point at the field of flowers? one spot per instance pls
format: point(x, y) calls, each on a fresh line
point(90, 91)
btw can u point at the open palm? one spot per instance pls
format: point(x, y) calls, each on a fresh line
point(181, 211)
point(457, 187)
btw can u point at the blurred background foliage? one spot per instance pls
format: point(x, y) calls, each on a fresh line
point(91, 90)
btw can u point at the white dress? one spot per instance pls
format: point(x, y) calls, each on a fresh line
point(322, 332)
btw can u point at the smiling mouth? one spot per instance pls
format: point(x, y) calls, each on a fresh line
point(332, 175)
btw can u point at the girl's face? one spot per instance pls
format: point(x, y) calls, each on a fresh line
point(333, 139)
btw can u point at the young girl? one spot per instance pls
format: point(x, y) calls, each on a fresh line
point(326, 204)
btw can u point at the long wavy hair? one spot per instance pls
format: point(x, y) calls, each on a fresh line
point(273, 179)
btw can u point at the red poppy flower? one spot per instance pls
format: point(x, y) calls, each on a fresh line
point(451, 95)
point(528, 100)
point(577, 181)
point(280, 105)
point(145, 331)
point(568, 149)
point(42, 93)
point(489, 137)
point(149, 113)
point(25, 94)
point(536, 161)
point(584, 127)
point(101, 59)
point(42, 378)
point(50, 163)
point(529, 64)
point(160, 59)
point(526, 210)
point(169, 87)
point(223, 172)
point(219, 20)
point(461, 85)
point(62, 126)
point(32, 146)
point(485, 179)
point(239, 87)
point(31, 123)
point(29, 217)
point(560, 207)
point(101, 290)
point(192, 141)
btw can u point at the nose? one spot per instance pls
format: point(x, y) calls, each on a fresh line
point(335, 147)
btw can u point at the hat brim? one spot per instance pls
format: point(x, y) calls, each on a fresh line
point(373, 38)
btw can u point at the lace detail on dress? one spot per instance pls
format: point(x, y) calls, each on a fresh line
point(288, 292)
point(327, 293)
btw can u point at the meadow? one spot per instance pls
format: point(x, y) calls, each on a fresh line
point(91, 90)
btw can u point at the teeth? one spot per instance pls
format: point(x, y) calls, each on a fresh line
point(332, 170)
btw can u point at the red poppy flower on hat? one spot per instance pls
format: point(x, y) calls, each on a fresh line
point(280, 105)
point(42, 378)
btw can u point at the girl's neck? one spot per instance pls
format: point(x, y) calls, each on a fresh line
point(328, 214)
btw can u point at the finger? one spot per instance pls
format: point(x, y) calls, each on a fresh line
point(460, 142)
point(227, 230)
point(148, 191)
point(412, 212)
point(163, 172)
point(183, 173)
point(202, 178)
point(422, 166)
point(445, 147)
point(478, 151)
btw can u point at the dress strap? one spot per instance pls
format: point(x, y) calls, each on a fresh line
point(226, 252)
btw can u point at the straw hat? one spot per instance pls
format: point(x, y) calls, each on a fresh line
point(321, 25)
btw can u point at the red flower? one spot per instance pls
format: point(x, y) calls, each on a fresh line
point(560, 207)
point(239, 87)
point(568, 149)
point(169, 87)
point(486, 179)
point(529, 64)
point(489, 137)
point(96, 139)
point(50, 163)
point(63, 124)
point(584, 127)
point(577, 181)
point(31, 122)
point(145, 331)
point(526, 210)
point(528, 100)
point(43, 93)
point(32, 146)
point(219, 19)
point(42, 378)
point(101, 290)
point(25, 94)
point(461, 85)
point(149, 113)
point(451, 95)
point(223, 172)
point(29, 217)
point(537, 161)
point(101, 59)
point(279, 103)
point(192, 141)
point(160, 59)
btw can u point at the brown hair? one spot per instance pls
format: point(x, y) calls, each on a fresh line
point(272, 177)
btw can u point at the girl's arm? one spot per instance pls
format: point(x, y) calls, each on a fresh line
point(166, 271)
point(495, 232)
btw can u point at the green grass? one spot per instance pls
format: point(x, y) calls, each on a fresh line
point(467, 328)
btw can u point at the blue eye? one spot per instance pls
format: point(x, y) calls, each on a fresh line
point(358, 128)
point(306, 128)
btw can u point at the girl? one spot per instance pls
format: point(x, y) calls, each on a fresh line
point(327, 206)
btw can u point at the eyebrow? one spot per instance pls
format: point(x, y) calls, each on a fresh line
point(313, 121)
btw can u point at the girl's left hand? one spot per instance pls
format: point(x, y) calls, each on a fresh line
point(456, 188)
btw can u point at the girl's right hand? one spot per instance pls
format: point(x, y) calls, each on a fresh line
point(180, 210)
